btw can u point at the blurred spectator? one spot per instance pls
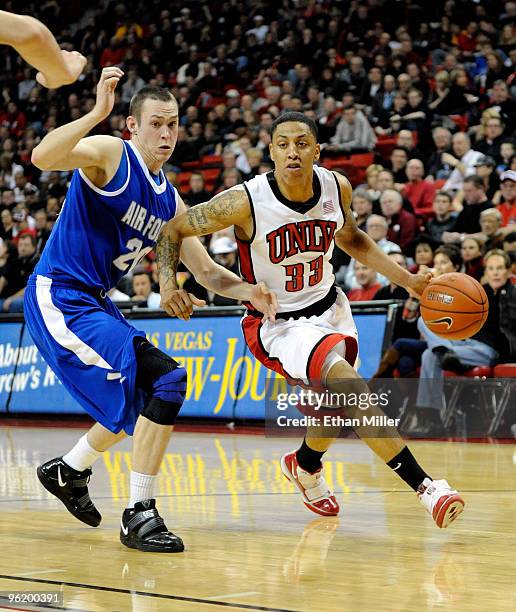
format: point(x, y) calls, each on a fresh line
point(402, 328)
point(354, 134)
point(507, 151)
point(508, 205)
point(419, 191)
point(362, 205)
point(462, 161)
point(436, 168)
point(455, 99)
point(383, 102)
point(490, 222)
point(371, 184)
point(405, 139)
point(7, 224)
point(493, 136)
point(376, 228)
point(403, 226)
point(398, 164)
point(468, 220)
point(471, 252)
point(197, 193)
point(367, 281)
point(372, 85)
point(143, 293)
point(131, 86)
point(423, 254)
point(485, 169)
point(224, 252)
point(114, 54)
point(14, 275)
point(8, 170)
point(26, 85)
point(444, 218)
point(42, 230)
point(505, 104)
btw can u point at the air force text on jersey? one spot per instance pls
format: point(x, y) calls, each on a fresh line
point(138, 217)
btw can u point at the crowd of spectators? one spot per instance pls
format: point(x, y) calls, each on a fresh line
point(433, 80)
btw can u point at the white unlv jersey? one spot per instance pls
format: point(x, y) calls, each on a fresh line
point(292, 243)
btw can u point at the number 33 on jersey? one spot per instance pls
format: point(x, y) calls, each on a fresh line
point(292, 242)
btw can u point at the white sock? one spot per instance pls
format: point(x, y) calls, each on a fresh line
point(142, 487)
point(82, 455)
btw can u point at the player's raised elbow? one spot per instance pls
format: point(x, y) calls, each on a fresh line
point(40, 160)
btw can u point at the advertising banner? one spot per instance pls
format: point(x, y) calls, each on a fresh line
point(225, 380)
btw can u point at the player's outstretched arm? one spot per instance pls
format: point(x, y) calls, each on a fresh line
point(65, 148)
point(356, 243)
point(177, 241)
point(35, 43)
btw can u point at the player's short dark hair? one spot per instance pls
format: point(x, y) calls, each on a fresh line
point(295, 116)
point(511, 237)
point(152, 92)
point(452, 253)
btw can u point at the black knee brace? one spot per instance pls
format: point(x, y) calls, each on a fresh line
point(163, 379)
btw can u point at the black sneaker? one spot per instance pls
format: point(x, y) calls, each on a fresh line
point(71, 487)
point(143, 528)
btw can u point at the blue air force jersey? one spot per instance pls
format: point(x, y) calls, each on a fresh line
point(101, 234)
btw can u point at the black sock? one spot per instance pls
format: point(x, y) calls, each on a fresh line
point(408, 469)
point(309, 459)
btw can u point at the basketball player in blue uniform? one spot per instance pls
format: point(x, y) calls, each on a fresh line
point(117, 203)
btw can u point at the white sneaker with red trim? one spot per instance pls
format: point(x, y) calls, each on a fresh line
point(317, 495)
point(441, 501)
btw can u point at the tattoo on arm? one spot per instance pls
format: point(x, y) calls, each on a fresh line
point(167, 259)
point(210, 217)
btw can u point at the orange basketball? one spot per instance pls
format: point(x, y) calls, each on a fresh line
point(454, 306)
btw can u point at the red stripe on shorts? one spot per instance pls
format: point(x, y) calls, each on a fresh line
point(323, 347)
point(251, 327)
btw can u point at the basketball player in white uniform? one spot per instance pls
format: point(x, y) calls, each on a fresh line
point(287, 223)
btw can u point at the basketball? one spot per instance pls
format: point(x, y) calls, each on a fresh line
point(454, 306)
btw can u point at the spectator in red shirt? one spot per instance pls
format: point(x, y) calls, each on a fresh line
point(508, 207)
point(417, 190)
point(468, 38)
point(369, 285)
point(114, 54)
point(403, 226)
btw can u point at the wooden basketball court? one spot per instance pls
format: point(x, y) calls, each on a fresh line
point(250, 542)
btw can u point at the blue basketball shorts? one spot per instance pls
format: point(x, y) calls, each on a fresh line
point(90, 347)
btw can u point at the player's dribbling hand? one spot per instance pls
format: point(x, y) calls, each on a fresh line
point(74, 62)
point(264, 300)
point(417, 283)
point(106, 90)
point(179, 303)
